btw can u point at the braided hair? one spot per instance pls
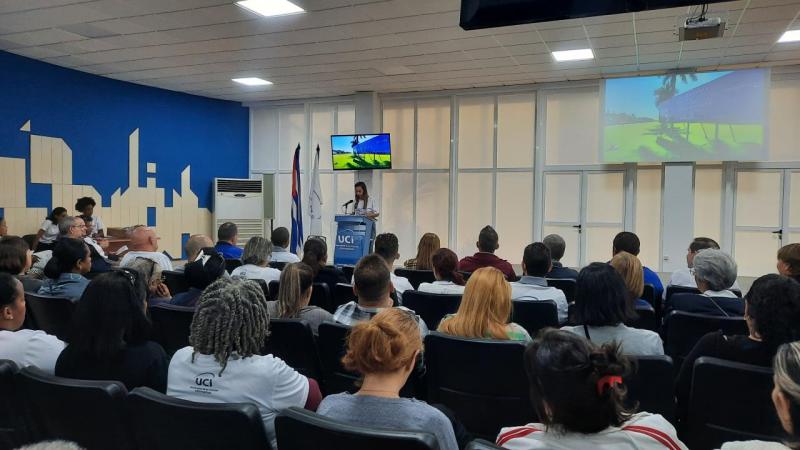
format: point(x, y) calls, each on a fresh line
point(231, 317)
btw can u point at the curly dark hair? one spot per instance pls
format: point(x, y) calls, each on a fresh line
point(773, 305)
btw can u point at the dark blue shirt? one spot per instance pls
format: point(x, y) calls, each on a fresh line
point(651, 277)
point(228, 250)
point(562, 272)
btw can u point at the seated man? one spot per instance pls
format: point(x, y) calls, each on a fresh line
point(227, 236)
point(626, 241)
point(75, 227)
point(387, 247)
point(557, 247)
point(280, 246)
point(144, 244)
point(685, 277)
point(488, 242)
point(372, 286)
point(533, 286)
point(193, 246)
point(714, 271)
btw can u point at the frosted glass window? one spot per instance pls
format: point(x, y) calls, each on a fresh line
point(474, 209)
point(514, 214)
point(572, 238)
point(758, 199)
point(516, 116)
point(707, 203)
point(794, 201)
point(433, 205)
point(755, 252)
point(398, 121)
point(433, 134)
point(599, 241)
point(648, 216)
point(398, 219)
point(344, 188)
point(476, 132)
point(291, 131)
point(562, 197)
point(572, 127)
point(605, 201)
point(346, 119)
point(264, 129)
point(784, 134)
point(322, 127)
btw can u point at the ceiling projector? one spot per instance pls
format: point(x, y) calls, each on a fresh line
point(697, 28)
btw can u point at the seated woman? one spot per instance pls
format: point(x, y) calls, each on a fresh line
point(715, 273)
point(315, 254)
point(16, 259)
point(577, 391)
point(383, 350)
point(602, 309)
point(485, 309)
point(157, 291)
point(255, 258)
point(227, 333)
point(629, 268)
point(428, 244)
point(445, 269)
point(772, 312)
point(110, 335)
point(789, 261)
point(207, 268)
point(71, 259)
point(24, 347)
point(297, 281)
point(48, 233)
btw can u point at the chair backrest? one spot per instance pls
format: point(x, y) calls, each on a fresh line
point(321, 297)
point(481, 444)
point(682, 330)
point(671, 290)
point(566, 285)
point(482, 380)
point(171, 326)
point(331, 343)
point(274, 287)
point(730, 401)
point(192, 424)
point(342, 294)
point(298, 429)
point(13, 429)
point(646, 320)
point(416, 277)
point(277, 265)
point(431, 307)
point(348, 271)
point(89, 413)
point(231, 264)
point(649, 295)
point(652, 386)
point(175, 281)
point(533, 315)
point(293, 341)
point(264, 287)
point(51, 314)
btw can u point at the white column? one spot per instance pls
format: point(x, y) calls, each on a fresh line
point(677, 214)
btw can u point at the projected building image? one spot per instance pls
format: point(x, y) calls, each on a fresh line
point(361, 151)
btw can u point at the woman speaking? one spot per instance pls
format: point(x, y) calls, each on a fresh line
point(363, 204)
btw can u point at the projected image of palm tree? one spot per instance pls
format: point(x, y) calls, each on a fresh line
point(361, 151)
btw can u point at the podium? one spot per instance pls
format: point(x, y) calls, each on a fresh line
point(354, 236)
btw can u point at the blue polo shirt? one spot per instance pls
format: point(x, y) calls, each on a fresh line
point(228, 250)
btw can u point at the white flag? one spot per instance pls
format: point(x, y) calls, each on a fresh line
point(315, 199)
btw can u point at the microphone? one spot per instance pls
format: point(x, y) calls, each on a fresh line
point(347, 204)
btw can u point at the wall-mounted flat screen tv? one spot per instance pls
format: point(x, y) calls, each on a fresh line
point(361, 151)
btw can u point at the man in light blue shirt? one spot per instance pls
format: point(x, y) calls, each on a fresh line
point(536, 263)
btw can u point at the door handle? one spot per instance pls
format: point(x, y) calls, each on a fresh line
point(579, 227)
point(779, 233)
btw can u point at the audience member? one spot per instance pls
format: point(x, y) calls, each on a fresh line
point(75, 228)
point(315, 254)
point(789, 261)
point(602, 309)
point(207, 268)
point(144, 244)
point(685, 276)
point(46, 236)
point(485, 309)
point(256, 257)
point(384, 350)
point(488, 242)
point(109, 339)
point(85, 205)
point(577, 390)
point(714, 271)
point(387, 247)
point(297, 284)
point(280, 246)
point(227, 334)
point(626, 241)
point(71, 259)
point(372, 286)
point(24, 347)
point(157, 290)
point(557, 247)
point(772, 312)
point(194, 244)
point(15, 259)
point(428, 243)
point(227, 238)
point(630, 269)
point(3, 227)
point(445, 270)
point(536, 264)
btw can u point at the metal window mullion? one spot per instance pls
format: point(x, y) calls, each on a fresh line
point(786, 178)
point(582, 217)
point(415, 172)
point(494, 160)
point(452, 217)
point(630, 183)
point(539, 139)
point(728, 210)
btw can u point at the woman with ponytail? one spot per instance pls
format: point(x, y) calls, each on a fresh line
point(293, 296)
point(383, 350)
point(315, 255)
point(71, 259)
point(445, 269)
point(578, 392)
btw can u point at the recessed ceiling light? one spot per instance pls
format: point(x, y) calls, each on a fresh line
point(790, 36)
point(270, 8)
point(252, 81)
point(574, 55)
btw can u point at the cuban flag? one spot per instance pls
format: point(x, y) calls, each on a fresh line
point(297, 209)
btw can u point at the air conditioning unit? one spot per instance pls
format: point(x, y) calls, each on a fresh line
point(240, 201)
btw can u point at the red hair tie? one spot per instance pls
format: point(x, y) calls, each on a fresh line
point(607, 381)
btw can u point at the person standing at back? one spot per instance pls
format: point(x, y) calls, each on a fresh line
point(626, 241)
point(536, 263)
point(488, 242)
point(85, 205)
point(227, 237)
point(557, 247)
point(387, 247)
point(280, 246)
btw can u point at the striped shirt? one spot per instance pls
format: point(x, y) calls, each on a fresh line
point(353, 313)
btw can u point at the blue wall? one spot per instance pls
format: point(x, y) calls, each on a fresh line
point(95, 116)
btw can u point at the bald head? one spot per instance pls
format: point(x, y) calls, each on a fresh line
point(143, 239)
point(195, 243)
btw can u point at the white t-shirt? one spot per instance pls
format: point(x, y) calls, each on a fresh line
point(50, 232)
point(93, 243)
point(643, 431)
point(685, 277)
point(284, 256)
point(634, 341)
point(265, 381)
point(160, 258)
point(97, 225)
point(441, 287)
point(534, 292)
point(253, 272)
point(361, 208)
point(31, 348)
